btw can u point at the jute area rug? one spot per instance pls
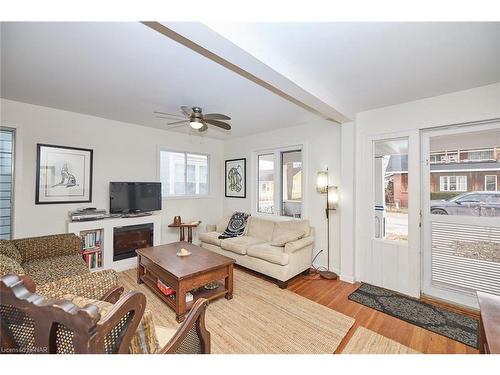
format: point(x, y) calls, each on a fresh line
point(260, 319)
point(365, 341)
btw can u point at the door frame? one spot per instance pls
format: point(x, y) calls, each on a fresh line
point(410, 283)
point(454, 295)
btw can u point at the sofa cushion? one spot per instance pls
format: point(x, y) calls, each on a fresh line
point(9, 265)
point(222, 223)
point(48, 246)
point(51, 269)
point(292, 225)
point(210, 237)
point(8, 248)
point(286, 236)
point(239, 245)
point(293, 246)
point(164, 335)
point(90, 285)
point(260, 228)
point(267, 252)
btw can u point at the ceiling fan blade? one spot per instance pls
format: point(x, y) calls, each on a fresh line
point(167, 118)
point(178, 122)
point(216, 116)
point(176, 126)
point(203, 128)
point(186, 110)
point(219, 124)
point(167, 114)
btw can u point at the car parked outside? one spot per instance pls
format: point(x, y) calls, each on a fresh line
point(474, 203)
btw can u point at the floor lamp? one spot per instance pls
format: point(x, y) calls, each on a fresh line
point(323, 187)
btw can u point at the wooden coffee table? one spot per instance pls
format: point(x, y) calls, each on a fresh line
point(184, 274)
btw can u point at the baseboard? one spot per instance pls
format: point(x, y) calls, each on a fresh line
point(347, 278)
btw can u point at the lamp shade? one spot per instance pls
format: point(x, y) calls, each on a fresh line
point(322, 182)
point(196, 123)
point(333, 197)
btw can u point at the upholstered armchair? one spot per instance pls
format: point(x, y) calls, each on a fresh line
point(32, 324)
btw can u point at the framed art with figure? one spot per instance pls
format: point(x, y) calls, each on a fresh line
point(63, 174)
point(236, 178)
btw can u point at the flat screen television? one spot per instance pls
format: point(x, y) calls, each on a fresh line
point(134, 197)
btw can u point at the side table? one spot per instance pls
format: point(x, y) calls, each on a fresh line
point(182, 227)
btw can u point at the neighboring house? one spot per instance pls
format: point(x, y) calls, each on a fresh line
point(465, 170)
point(452, 172)
point(396, 180)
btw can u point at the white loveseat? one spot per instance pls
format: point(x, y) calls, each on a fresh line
point(279, 249)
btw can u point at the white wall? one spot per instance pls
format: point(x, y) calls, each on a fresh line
point(122, 152)
point(347, 202)
point(476, 104)
point(321, 144)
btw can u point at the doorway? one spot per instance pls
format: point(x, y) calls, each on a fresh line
point(461, 212)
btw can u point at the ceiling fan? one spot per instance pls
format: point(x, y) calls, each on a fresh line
point(195, 118)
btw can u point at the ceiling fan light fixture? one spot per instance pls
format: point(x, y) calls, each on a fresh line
point(196, 123)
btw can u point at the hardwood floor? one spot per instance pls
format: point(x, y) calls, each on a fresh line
point(334, 293)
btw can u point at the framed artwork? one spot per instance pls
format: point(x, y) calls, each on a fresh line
point(236, 178)
point(63, 174)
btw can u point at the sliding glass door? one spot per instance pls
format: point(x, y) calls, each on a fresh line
point(461, 212)
point(6, 181)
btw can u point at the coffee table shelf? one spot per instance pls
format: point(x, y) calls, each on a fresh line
point(185, 274)
point(198, 293)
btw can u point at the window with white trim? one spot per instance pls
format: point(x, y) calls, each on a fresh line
point(490, 183)
point(184, 174)
point(453, 183)
point(279, 182)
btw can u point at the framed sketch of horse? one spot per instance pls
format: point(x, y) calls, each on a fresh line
point(236, 178)
point(63, 174)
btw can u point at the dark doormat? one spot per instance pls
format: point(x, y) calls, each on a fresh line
point(456, 326)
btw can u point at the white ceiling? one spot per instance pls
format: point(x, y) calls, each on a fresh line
point(124, 71)
point(359, 66)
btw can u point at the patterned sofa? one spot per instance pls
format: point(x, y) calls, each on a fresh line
point(55, 265)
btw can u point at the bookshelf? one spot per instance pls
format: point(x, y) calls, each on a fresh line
point(92, 248)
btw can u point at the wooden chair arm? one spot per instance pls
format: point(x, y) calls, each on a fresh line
point(196, 317)
point(132, 301)
point(112, 295)
point(28, 283)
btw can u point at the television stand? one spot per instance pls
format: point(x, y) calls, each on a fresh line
point(137, 214)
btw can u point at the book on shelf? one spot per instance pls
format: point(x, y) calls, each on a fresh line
point(91, 248)
point(91, 240)
point(170, 292)
point(93, 260)
point(164, 288)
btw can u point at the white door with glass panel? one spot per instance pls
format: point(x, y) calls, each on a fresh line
point(393, 259)
point(461, 212)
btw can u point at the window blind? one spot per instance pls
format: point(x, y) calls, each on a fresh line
point(466, 256)
point(6, 181)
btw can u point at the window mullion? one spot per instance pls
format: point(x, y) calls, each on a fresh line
point(185, 173)
point(278, 194)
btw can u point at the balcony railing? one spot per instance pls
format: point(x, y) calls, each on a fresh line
point(465, 156)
